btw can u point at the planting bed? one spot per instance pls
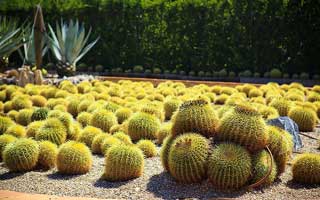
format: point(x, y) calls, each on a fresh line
point(104, 139)
point(154, 184)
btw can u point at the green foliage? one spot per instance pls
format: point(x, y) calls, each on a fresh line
point(244, 126)
point(4, 141)
point(148, 148)
point(74, 158)
point(306, 168)
point(21, 155)
point(229, 166)
point(52, 130)
point(143, 125)
point(195, 116)
point(69, 50)
point(123, 163)
point(48, 155)
point(39, 114)
point(275, 73)
point(187, 159)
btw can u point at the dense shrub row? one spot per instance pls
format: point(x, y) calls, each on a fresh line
point(199, 35)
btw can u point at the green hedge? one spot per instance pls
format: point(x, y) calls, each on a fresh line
point(199, 35)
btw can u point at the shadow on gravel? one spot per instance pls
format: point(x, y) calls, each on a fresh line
point(58, 176)
point(293, 185)
point(107, 184)
point(164, 186)
point(10, 175)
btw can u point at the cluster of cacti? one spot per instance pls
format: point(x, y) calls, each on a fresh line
point(207, 132)
point(74, 158)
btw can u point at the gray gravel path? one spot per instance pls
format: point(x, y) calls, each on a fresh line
point(154, 184)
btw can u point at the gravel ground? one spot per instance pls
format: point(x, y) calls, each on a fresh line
point(154, 184)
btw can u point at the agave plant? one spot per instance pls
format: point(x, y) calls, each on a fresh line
point(29, 54)
point(68, 45)
point(10, 40)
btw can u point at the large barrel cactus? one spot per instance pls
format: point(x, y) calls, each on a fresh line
point(195, 116)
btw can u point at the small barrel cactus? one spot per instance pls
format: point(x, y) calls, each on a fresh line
point(305, 117)
point(74, 158)
point(306, 168)
point(164, 152)
point(32, 128)
point(84, 118)
point(148, 148)
point(21, 102)
point(282, 105)
point(4, 141)
point(48, 155)
point(123, 114)
point(24, 116)
point(123, 137)
point(53, 130)
point(21, 155)
point(16, 130)
point(103, 119)
point(123, 163)
point(187, 159)
point(97, 141)
point(164, 131)
point(229, 166)
point(263, 165)
point(88, 133)
point(108, 142)
point(281, 145)
point(170, 106)
point(39, 114)
point(5, 123)
point(195, 116)
point(143, 126)
point(245, 126)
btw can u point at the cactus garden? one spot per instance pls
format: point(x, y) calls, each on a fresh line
point(167, 140)
point(80, 115)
